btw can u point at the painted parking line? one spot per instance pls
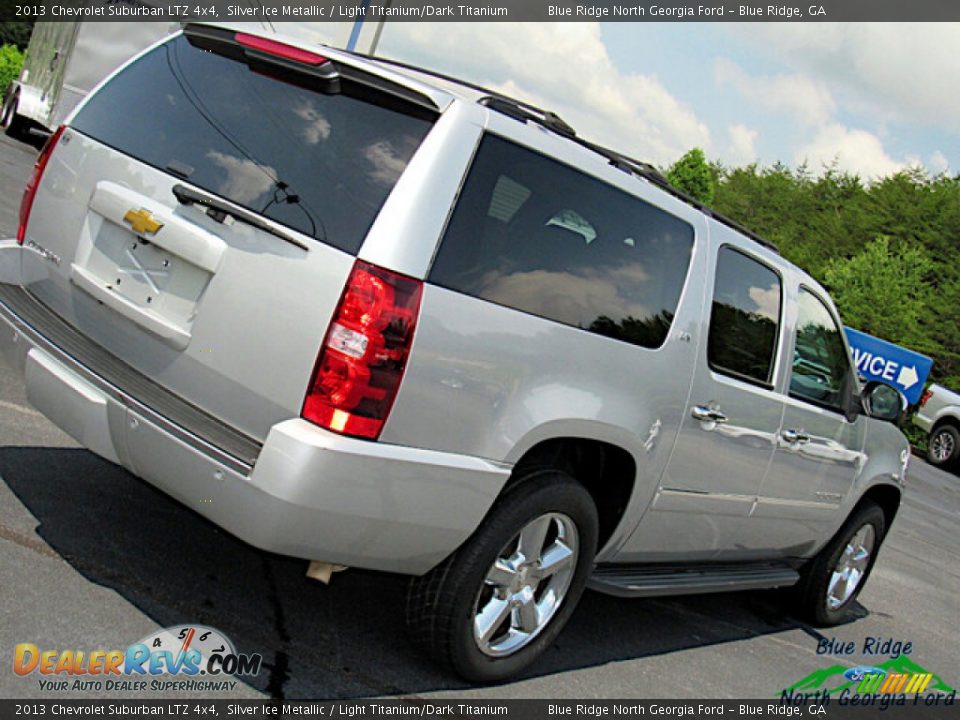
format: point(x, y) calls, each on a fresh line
point(4, 404)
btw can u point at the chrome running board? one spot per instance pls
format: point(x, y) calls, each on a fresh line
point(653, 580)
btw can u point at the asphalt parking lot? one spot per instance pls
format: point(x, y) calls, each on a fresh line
point(92, 557)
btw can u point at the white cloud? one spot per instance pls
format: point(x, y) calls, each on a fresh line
point(386, 161)
point(938, 163)
point(318, 128)
point(902, 71)
point(245, 181)
point(767, 301)
point(741, 149)
point(798, 96)
point(854, 150)
point(562, 67)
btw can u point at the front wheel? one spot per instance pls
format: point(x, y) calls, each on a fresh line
point(499, 601)
point(831, 582)
point(943, 446)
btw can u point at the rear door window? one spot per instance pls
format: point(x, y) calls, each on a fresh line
point(745, 318)
point(320, 164)
point(536, 235)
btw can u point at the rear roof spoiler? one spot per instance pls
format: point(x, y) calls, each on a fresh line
point(290, 62)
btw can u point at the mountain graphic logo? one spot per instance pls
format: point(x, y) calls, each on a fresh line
point(897, 675)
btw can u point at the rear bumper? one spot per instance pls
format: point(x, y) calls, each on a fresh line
point(308, 492)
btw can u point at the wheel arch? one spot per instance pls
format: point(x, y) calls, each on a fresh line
point(607, 471)
point(885, 495)
point(947, 418)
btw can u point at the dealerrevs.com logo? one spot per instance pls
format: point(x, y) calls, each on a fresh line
point(182, 657)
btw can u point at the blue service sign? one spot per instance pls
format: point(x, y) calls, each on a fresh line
point(878, 359)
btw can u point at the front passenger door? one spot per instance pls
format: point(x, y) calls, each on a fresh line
point(819, 450)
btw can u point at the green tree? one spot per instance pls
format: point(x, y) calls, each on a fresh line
point(11, 60)
point(884, 290)
point(694, 176)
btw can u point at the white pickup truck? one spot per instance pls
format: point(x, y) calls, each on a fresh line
point(939, 415)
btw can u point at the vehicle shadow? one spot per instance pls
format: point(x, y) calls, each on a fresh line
point(342, 641)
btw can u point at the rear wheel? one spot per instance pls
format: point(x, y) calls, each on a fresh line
point(943, 446)
point(496, 604)
point(831, 582)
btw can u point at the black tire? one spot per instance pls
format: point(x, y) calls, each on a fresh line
point(943, 447)
point(441, 604)
point(811, 591)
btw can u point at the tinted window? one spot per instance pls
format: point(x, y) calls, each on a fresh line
point(745, 317)
point(536, 235)
point(820, 365)
point(320, 164)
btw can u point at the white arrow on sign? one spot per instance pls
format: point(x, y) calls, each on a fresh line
point(908, 377)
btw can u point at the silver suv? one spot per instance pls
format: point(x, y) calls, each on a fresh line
point(359, 313)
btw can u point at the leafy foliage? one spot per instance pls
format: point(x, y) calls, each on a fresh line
point(11, 60)
point(887, 250)
point(885, 292)
point(693, 175)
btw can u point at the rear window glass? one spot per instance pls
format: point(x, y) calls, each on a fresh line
point(320, 164)
point(538, 236)
point(745, 319)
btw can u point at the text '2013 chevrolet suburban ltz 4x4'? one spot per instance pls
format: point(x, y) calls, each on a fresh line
point(363, 314)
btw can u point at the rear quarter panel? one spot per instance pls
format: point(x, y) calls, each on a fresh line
point(492, 382)
point(942, 404)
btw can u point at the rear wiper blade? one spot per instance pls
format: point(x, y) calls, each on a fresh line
point(219, 209)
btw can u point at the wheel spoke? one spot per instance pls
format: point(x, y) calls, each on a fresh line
point(854, 580)
point(501, 574)
point(528, 615)
point(557, 557)
point(838, 587)
point(490, 618)
point(860, 560)
point(532, 538)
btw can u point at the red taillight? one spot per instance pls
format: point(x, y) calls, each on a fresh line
point(364, 354)
point(279, 49)
point(26, 203)
point(927, 394)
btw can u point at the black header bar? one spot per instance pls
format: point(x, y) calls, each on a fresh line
point(279, 11)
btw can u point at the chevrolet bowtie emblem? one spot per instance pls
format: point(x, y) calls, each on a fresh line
point(142, 222)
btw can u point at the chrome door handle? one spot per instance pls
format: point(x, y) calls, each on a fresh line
point(706, 414)
point(795, 436)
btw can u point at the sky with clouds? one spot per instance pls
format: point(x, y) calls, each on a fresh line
point(871, 97)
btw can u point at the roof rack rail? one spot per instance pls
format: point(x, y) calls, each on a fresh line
point(457, 81)
point(655, 177)
point(525, 112)
point(516, 110)
point(648, 172)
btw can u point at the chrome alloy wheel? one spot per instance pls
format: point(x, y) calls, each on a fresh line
point(526, 585)
point(851, 567)
point(942, 446)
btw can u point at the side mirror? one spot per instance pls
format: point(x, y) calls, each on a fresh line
point(883, 402)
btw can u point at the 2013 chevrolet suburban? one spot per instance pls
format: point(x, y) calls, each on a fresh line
point(361, 313)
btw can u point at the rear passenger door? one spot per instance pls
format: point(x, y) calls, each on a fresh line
point(819, 450)
point(707, 493)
